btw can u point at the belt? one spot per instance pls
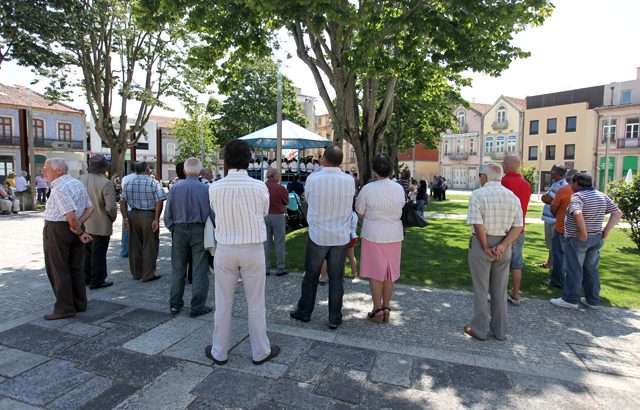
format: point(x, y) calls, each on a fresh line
point(143, 210)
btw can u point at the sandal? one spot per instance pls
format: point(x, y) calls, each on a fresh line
point(386, 314)
point(375, 317)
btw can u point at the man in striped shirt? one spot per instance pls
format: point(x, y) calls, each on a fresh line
point(329, 193)
point(240, 204)
point(584, 236)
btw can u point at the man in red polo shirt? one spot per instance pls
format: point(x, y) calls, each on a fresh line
point(275, 221)
point(513, 181)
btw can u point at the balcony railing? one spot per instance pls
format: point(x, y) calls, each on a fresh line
point(497, 155)
point(8, 140)
point(47, 143)
point(628, 143)
point(458, 155)
point(500, 125)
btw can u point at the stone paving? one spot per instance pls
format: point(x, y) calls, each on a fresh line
point(127, 351)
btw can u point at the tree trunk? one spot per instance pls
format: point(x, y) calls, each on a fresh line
point(118, 153)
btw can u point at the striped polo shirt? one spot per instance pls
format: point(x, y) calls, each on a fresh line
point(594, 205)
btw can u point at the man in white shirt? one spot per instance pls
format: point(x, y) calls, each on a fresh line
point(240, 204)
point(329, 194)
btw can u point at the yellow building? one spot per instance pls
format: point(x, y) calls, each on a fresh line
point(502, 129)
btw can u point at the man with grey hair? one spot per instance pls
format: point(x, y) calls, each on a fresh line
point(496, 217)
point(100, 225)
point(557, 178)
point(276, 221)
point(185, 216)
point(67, 209)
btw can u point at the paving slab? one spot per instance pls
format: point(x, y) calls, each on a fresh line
point(431, 375)
point(489, 400)
point(389, 396)
point(81, 394)
point(392, 368)
point(244, 364)
point(351, 357)
point(192, 347)
point(82, 329)
point(306, 370)
point(164, 336)
point(10, 404)
point(480, 378)
point(111, 338)
point(203, 404)
point(342, 384)
point(611, 361)
point(142, 318)
point(44, 383)
point(125, 366)
point(614, 399)
point(230, 388)
point(27, 336)
point(98, 309)
point(291, 347)
point(57, 346)
point(110, 398)
point(296, 394)
point(170, 390)
point(13, 362)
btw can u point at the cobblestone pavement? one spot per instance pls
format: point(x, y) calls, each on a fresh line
point(127, 351)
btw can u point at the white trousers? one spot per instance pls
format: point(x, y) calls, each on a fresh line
point(232, 262)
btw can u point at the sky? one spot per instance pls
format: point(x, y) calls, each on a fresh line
point(584, 43)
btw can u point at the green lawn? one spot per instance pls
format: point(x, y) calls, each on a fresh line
point(448, 207)
point(436, 256)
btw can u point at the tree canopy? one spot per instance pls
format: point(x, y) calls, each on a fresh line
point(195, 138)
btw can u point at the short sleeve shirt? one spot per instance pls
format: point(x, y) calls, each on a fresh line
point(496, 208)
point(67, 194)
point(594, 205)
point(381, 204)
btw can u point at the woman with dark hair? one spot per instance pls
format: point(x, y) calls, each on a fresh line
point(379, 205)
point(421, 196)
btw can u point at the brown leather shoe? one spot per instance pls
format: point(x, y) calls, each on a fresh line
point(58, 316)
point(275, 350)
point(154, 277)
point(468, 330)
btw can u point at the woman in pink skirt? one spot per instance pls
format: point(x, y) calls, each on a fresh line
point(379, 205)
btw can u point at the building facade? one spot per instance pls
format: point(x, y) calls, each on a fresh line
point(460, 151)
point(58, 131)
point(502, 129)
point(618, 132)
point(422, 162)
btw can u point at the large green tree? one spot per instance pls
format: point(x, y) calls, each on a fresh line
point(251, 99)
point(110, 51)
point(362, 49)
point(195, 137)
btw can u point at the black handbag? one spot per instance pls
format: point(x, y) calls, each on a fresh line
point(411, 218)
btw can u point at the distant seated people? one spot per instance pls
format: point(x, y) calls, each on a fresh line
point(296, 186)
point(8, 200)
point(316, 165)
point(265, 163)
point(293, 165)
point(284, 167)
point(252, 165)
point(274, 164)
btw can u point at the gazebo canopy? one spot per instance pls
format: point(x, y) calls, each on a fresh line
point(293, 137)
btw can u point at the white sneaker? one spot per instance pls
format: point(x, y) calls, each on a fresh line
point(512, 300)
point(583, 300)
point(561, 303)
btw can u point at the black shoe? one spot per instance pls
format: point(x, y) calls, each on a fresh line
point(268, 273)
point(295, 315)
point(204, 311)
point(175, 310)
point(282, 273)
point(104, 284)
point(154, 277)
point(275, 350)
point(334, 326)
point(207, 352)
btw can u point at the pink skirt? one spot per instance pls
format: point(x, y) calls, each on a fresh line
point(380, 261)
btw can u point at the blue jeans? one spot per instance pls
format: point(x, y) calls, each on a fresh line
point(516, 253)
point(557, 250)
point(420, 205)
point(581, 266)
point(188, 239)
point(314, 257)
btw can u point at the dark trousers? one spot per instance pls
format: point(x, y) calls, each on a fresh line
point(95, 260)
point(42, 195)
point(314, 257)
point(143, 244)
point(187, 248)
point(63, 254)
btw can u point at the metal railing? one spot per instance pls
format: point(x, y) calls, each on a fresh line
point(458, 155)
point(500, 125)
point(628, 143)
point(9, 140)
point(497, 155)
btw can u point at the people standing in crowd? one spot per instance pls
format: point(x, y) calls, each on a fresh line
point(67, 209)
point(421, 196)
point(276, 223)
point(296, 186)
point(8, 200)
point(559, 206)
point(379, 205)
point(21, 187)
point(124, 239)
point(100, 225)
point(329, 194)
point(240, 204)
point(185, 217)
point(146, 198)
point(514, 182)
point(584, 236)
point(557, 178)
point(351, 252)
point(42, 187)
point(11, 179)
point(206, 176)
point(496, 218)
point(405, 181)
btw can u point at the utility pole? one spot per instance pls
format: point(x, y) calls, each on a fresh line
point(279, 119)
point(32, 153)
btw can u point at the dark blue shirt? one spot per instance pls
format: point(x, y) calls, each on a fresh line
point(188, 203)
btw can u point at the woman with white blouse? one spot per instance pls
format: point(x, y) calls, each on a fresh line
point(379, 205)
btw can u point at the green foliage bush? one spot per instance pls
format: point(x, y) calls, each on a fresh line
point(627, 197)
point(529, 173)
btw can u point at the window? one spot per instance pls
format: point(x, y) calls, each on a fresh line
point(609, 130)
point(550, 152)
point(461, 119)
point(500, 144)
point(533, 127)
point(633, 127)
point(38, 129)
point(552, 124)
point(472, 146)
point(511, 144)
point(171, 151)
point(64, 131)
point(570, 151)
point(6, 130)
point(533, 153)
point(447, 147)
point(625, 97)
point(571, 124)
point(502, 114)
point(460, 147)
point(488, 145)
